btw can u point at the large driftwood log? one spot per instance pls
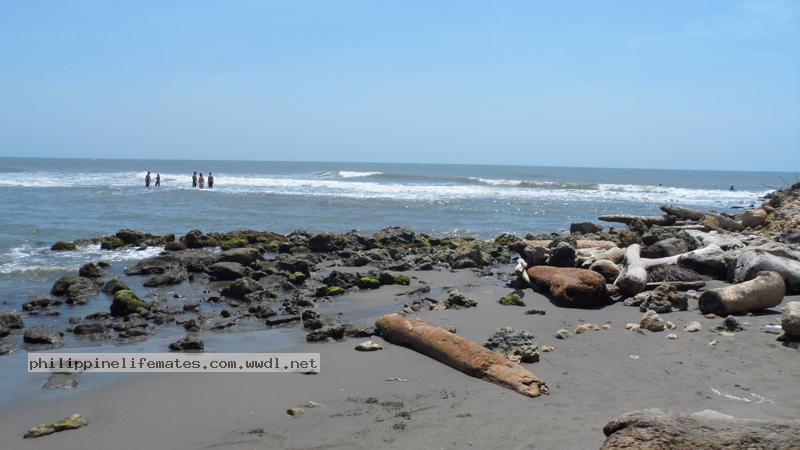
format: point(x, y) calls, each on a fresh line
point(647, 220)
point(660, 429)
point(633, 278)
point(460, 353)
point(764, 291)
point(719, 222)
point(582, 243)
point(683, 212)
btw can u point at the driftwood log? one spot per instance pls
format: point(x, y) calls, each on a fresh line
point(660, 429)
point(766, 290)
point(582, 243)
point(633, 278)
point(683, 212)
point(679, 285)
point(647, 220)
point(460, 353)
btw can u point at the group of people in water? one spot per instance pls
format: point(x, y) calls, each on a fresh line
point(197, 181)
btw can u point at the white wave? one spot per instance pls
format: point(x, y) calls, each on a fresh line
point(26, 258)
point(355, 174)
point(484, 188)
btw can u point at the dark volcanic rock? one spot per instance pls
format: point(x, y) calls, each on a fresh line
point(61, 380)
point(457, 300)
point(226, 271)
point(90, 270)
point(165, 279)
point(90, 328)
point(245, 256)
point(155, 265)
point(189, 343)
point(395, 236)
point(43, 335)
point(470, 255)
point(585, 228)
point(242, 287)
point(515, 344)
point(130, 237)
point(11, 320)
point(666, 247)
point(321, 334)
point(293, 264)
point(62, 246)
point(563, 255)
point(113, 285)
point(80, 289)
point(127, 302)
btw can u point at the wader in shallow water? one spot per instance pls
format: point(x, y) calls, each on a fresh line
point(147, 180)
point(210, 180)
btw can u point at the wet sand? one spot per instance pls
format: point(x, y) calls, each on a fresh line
point(593, 377)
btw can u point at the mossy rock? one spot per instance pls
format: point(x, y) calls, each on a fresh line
point(388, 278)
point(511, 299)
point(331, 291)
point(402, 280)
point(234, 243)
point(297, 278)
point(62, 246)
point(111, 243)
point(369, 283)
point(127, 302)
point(175, 246)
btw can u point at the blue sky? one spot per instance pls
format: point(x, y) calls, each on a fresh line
point(672, 84)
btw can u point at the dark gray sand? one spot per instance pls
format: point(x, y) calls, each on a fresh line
point(593, 377)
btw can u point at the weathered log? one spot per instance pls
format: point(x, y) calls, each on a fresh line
point(633, 278)
point(647, 220)
point(719, 222)
point(582, 243)
point(571, 287)
point(751, 262)
point(460, 353)
point(660, 429)
point(708, 260)
point(764, 291)
point(683, 212)
point(679, 285)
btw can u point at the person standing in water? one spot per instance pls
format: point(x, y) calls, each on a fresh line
point(194, 179)
point(200, 181)
point(158, 180)
point(147, 180)
point(210, 180)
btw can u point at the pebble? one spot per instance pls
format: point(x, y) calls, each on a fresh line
point(312, 404)
point(692, 327)
point(368, 346)
point(548, 348)
point(672, 336)
point(563, 334)
point(712, 343)
point(606, 326)
point(296, 411)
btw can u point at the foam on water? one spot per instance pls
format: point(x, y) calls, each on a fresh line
point(26, 258)
point(362, 187)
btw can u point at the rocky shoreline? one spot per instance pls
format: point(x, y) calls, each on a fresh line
point(676, 263)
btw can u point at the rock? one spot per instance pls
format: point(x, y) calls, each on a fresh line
point(563, 334)
point(369, 283)
point(584, 228)
point(719, 222)
point(750, 263)
point(70, 423)
point(127, 302)
point(672, 336)
point(723, 241)
point(664, 248)
point(196, 239)
point(190, 343)
point(111, 243)
point(332, 331)
point(790, 321)
point(80, 290)
point(651, 321)
point(395, 236)
point(295, 412)
point(62, 284)
point(226, 271)
point(533, 311)
point(90, 270)
point(245, 256)
point(570, 286)
point(659, 429)
point(281, 320)
point(535, 255)
point(156, 265)
point(130, 237)
point(4, 331)
point(584, 327)
point(175, 246)
point(730, 323)
point(470, 255)
point(663, 299)
point(457, 300)
point(387, 278)
point(692, 327)
point(607, 269)
point(368, 346)
point(511, 299)
point(40, 303)
point(517, 345)
point(61, 380)
point(89, 328)
point(43, 335)
point(754, 218)
point(293, 264)
point(11, 320)
point(563, 255)
point(297, 278)
point(242, 287)
point(548, 348)
point(114, 285)
point(62, 246)
point(165, 279)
